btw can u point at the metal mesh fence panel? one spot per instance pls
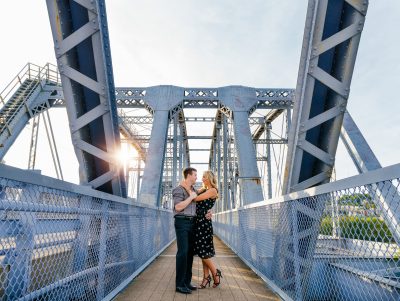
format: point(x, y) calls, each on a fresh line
point(338, 245)
point(60, 245)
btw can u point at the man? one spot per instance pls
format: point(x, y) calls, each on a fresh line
point(185, 214)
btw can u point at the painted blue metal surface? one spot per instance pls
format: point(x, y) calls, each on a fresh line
point(83, 56)
point(238, 102)
point(63, 245)
point(331, 38)
point(359, 263)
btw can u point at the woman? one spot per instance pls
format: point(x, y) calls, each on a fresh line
point(203, 240)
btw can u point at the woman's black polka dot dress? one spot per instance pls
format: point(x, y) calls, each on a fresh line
point(203, 242)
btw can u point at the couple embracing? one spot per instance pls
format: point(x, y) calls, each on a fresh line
point(194, 231)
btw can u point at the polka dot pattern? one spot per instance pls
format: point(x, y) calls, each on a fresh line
point(203, 242)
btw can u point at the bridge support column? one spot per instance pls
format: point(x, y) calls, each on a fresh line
point(269, 176)
point(164, 101)
point(175, 152)
point(238, 102)
point(218, 151)
point(227, 205)
point(331, 37)
point(150, 192)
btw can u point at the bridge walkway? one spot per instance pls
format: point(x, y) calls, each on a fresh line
point(239, 282)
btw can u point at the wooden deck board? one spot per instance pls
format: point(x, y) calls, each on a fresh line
point(157, 281)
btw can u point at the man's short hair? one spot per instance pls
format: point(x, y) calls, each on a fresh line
point(188, 171)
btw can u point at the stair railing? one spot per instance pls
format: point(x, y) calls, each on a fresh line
point(48, 72)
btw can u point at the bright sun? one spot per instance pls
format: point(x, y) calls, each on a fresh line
point(123, 155)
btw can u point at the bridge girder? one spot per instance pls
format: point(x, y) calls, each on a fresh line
point(331, 37)
point(83, 55)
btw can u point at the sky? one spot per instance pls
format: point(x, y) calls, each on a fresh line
point(190, 43)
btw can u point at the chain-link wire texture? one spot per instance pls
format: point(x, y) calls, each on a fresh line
point(338, 244)
point(61, 245)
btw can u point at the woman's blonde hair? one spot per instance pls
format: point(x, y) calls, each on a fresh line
point(212, 179)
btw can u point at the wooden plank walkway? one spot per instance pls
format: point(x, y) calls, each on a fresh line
point(157, 281)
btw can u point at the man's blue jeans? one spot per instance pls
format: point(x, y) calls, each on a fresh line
point(184, 229)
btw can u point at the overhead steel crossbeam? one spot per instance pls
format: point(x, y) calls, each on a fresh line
point(83, 55)
point(149, 119)
point(146, 139)
point(136, 98)
point(202, 98)
point(331, 38)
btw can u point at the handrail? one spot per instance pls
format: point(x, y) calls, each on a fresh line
point(49, 72)
point(33, 72)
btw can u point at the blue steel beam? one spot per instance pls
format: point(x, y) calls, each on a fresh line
point(331, 38)
point(83, 55)
point(164, 102)
point(133, 97)
point(238, 102)
point(388, 199)
point(363, 157)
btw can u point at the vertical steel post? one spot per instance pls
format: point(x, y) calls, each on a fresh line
point(19, 259)
point(219, 165)
point(225, 162)
point(175, 152)
point(81, 247)
point(269, 175)
point(240, 101)
point(181, 152)
point(103, 237)
point(150, 190)
point(165, 102)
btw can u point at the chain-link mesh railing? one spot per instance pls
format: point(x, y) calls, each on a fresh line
point(61, 245)
point(339, 241)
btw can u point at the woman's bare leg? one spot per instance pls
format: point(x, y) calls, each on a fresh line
point(211, 266)
point(216, 274)
point(206, 270)
point(206, 276)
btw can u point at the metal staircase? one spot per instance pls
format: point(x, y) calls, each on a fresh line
point(14, 105)
point(31, 92)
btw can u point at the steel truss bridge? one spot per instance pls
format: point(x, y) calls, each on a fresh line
point(309, 237)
